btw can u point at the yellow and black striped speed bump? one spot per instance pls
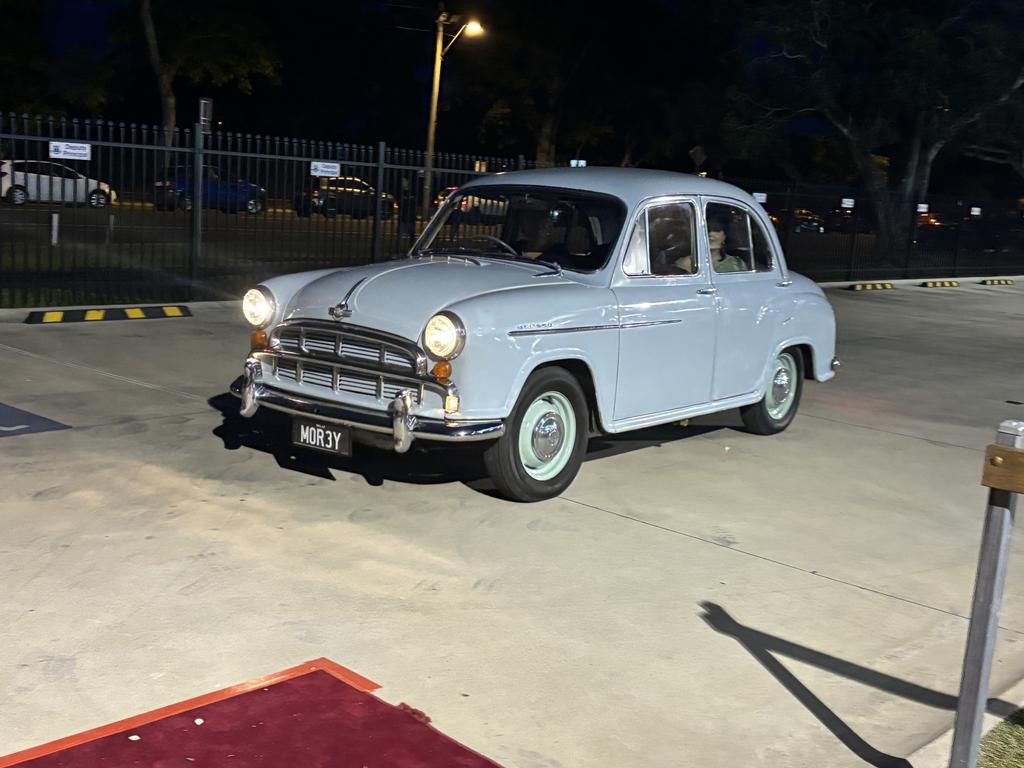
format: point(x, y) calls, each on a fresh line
point(997, 281)
point(871, 287)
point(107, 313)
point(941, 284)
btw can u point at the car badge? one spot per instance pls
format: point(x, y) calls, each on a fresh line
point(342, 310)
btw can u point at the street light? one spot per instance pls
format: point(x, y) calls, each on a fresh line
point(472, 28)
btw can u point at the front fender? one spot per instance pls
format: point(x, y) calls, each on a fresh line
point(512, 333)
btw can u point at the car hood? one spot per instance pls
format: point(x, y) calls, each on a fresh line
point(400, 296)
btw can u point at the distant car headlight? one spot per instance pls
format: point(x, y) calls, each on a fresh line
point(444, 336)
point(258, 306)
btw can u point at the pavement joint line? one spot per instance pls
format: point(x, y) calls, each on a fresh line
point(782, 563)
point(101, 372)
point(894, 433)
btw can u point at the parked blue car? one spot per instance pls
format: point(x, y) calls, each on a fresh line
point(228, 193)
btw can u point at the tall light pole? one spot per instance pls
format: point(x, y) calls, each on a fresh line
point(472, 29)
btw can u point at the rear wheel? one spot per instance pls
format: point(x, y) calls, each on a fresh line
point(98, 199)
point(545, 438)
point(17, 195)
point(253, 205)
point(778, 408)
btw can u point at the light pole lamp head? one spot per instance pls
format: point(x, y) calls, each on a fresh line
point(474, 28)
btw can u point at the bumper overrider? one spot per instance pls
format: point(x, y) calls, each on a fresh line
point(398, 420)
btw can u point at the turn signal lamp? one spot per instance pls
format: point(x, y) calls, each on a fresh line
point(442, 370)
point(258, 339)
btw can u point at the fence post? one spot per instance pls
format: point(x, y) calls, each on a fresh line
point(959, 239)
point(379, 203)
point(988, 595)
point(197, 210)
point(853, 240)
point(521, 163)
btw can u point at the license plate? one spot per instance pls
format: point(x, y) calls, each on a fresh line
point(331, 438)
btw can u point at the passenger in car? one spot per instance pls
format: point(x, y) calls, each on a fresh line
point(722, 260)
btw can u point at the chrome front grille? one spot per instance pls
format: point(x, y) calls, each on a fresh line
point(348, 359)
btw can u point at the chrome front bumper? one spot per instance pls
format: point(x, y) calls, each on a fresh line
point(398, 420)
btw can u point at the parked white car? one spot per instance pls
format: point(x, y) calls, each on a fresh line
point(591, 299)
point(23, 181)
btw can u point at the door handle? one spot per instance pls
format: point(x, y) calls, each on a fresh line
point(784, 283)
point(707, 291)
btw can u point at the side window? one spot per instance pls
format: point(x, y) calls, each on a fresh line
point(671, 239)
point(729, 240)
point(663, 242)
point(763, 261)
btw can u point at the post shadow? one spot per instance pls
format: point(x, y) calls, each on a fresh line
point(762, 646)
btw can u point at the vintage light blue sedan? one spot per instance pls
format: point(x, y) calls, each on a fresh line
point(559, 302)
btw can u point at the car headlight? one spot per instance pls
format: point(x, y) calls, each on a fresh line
point(258, 306)
point(444, 336)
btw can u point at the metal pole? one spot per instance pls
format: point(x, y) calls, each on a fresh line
point(442, 18)
point(988, 595)
point(197, 209)
point(378, 205)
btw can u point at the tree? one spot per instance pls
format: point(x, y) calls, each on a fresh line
point(999, 140)
point(889, 77)
point(212, 41)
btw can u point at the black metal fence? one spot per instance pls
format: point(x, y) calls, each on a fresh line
point(130, 213)
point(830, 233)
point(131, 223)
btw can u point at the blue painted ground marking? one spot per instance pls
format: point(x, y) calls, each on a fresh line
point(14, 421)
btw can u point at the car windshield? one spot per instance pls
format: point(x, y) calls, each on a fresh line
point(570, 229)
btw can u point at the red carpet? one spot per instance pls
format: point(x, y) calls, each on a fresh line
point(318, 715)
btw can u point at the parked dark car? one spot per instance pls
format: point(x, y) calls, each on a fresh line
point(345, 195)
point(221, 190)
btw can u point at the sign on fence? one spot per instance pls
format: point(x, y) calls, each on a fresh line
point(922, 207)
point(575, 163)
point(319, 168)
point(848, 202)
point(761, 197)
point(67, 150)
point(975, 211)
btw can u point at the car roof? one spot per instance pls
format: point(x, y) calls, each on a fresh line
point(630, 184)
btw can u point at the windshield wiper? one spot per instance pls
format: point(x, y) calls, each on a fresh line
point(452, 251)
point(553, 266)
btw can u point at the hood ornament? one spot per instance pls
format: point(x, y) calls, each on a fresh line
point(342, 310)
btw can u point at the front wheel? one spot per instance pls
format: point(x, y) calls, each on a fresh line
point(17, 195)
point(545, 440)
point(253, 205)
point(777, 408)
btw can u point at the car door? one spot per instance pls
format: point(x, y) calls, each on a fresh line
point(213, 193)
point(750, 296)
point(38, 181)
point(666, 313)
point(68, 185)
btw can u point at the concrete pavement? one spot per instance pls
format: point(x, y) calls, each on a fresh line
point(698, 597)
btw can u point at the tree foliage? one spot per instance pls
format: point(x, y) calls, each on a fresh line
point(897, 78)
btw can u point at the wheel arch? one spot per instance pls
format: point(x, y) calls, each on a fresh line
point(582, 371)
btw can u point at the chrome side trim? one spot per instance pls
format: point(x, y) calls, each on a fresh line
point(581, 328)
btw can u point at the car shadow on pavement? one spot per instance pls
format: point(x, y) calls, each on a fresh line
point(763, 647)
point(270, 432)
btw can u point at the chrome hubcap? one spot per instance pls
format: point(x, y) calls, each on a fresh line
point(548, 436)
point(779, 399)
